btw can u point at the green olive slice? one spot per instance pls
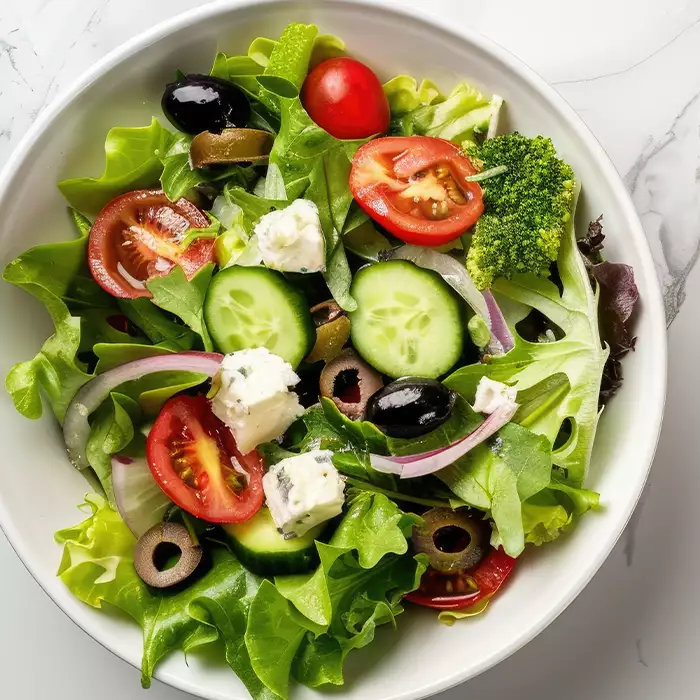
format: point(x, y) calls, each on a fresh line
point(230, 146)
point(453, 540)
point(332, 331)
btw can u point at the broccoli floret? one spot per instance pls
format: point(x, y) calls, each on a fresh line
point(525, 209)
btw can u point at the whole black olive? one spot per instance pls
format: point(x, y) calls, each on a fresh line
point(410, 407)
point(199, 103)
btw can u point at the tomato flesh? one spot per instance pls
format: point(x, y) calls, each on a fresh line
point(194, 458)
point(416, 187)
point(137, 237)
point(344, 97)
point(465, 589)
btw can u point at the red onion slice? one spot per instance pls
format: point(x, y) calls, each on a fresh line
point(76, 428)
point(455, 274)
point(497, 323)
point(412, 466)
point(140, 501)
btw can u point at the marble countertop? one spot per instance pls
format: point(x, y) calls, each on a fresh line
point(631, 71)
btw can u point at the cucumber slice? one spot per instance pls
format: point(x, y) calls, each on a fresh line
point(261, 548)
point(408, 321)
point(252, 307)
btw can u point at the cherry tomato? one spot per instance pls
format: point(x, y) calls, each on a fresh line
point(416, 188)
point(194, 458)
point(136, 237)
point(344, 97)
point(456, 591)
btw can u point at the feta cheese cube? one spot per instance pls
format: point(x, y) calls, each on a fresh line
point(303, 491)
point(291, 239)
point(491, 395)
point(253, 397)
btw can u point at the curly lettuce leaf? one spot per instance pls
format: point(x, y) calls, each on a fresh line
point(132, 161)
point(98, 568)
point(579, 355)
point(551, 512)
point(276, 66)
point(459, 117)
point(406, 95)
point(306, 625)
point(56, 274)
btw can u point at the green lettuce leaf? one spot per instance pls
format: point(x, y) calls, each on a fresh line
point(184, 298)
point(56, 274)
point(132, 161)
point(306, 625)
point(111, 431)
point(374, 526)
point(579, 355)
point(406, 95)
point(97, 566)
point(551, 512)
point(463, 114)
point(156, 325)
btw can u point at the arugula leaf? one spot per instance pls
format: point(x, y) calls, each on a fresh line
point(159, 329)
point(97, 566)
point(579, 355)
point(132, 162)
point(111, 430)
point(184, 298)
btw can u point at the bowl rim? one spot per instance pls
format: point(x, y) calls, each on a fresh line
point(653, 301)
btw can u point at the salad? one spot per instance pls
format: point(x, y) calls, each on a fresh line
point(327, 349)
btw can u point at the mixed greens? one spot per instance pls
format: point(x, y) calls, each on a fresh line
point(345, 352)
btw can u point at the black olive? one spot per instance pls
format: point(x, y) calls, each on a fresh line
point(199, 103)
point(161, 542)
point(410, 407)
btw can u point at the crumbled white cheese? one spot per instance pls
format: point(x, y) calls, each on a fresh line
point(253, 396)
point(303, 491)
point(491, 395)
point(291, 239)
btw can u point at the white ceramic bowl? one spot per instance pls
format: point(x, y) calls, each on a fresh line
point(39, 490)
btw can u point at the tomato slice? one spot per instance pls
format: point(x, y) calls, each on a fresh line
point(194, 458)
point(456, 591)
point(136, 237)
point(416, 188)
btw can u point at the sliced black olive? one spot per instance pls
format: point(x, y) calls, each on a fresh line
point(155, 550)
point(230, 146)
point(452, 539)
point(350, 382)
point(410, 407)
point(197, 103)
point(332, 331)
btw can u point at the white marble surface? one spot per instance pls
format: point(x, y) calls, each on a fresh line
point(631, 71)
